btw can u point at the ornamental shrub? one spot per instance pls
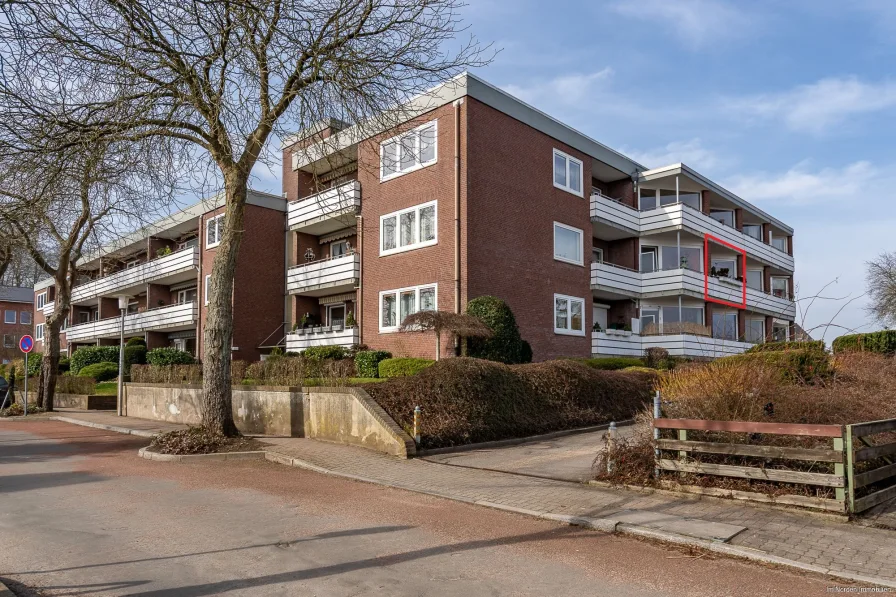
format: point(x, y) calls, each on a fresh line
point(100, 371)
point(505, 345)
point(367, 362)
point(655, 355)
point(135, 354)
point(135, 342)
point(798, 365)
point(611, 363)
point(882, 342)
point(776, 346)
point(35, 359)
point(75, 384)
point(89, 355)
point(64, 365)
point(403, 367)
point(325, 352)
point(175, 374)
point(169, 356)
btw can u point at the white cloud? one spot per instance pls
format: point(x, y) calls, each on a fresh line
point(571, 89)
point(801, 186)
point(692, 153)
point(696, 22)
point(816, 107)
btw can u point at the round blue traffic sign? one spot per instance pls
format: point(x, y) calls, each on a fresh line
point(26, 344)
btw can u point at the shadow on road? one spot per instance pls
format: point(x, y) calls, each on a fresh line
point(27, 482)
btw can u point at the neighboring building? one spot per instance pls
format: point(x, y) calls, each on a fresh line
point(16, 310)
point(481, 194)
point(164, 269)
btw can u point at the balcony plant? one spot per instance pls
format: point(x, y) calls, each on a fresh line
point(596, 327)
point(162, 252)
point(350, 320)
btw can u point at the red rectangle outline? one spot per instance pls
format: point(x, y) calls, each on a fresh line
point(706, 267)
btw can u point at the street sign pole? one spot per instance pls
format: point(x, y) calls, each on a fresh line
point(25, 414)
point(26, 345)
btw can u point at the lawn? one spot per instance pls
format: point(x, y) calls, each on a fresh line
point(106, 388)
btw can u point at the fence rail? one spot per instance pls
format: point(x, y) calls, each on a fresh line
point(861, 450)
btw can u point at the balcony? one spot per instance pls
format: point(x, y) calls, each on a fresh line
point(49, 308)
point(327, 211)
point(322, 336)
point(170, 269)
point(170, 317)
point(328, 276)
point(682, 345)
point(683, 217)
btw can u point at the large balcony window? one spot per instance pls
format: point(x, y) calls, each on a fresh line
point(780, 243)
point(682, 258)
point(723, 216)
point(780, 287)
point(754, 279)
point(724, 326)
point(753, 230)
point(755, 330)
point(653, 198)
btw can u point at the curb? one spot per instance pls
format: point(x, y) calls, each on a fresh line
point(5, 592)
point(150, 455)
point(116, 428)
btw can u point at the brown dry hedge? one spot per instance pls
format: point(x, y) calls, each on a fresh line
point(466, 400)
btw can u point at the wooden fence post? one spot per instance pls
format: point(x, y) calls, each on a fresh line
point(850, 471)
point(839, 492)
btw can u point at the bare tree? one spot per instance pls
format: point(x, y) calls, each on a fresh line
point(440, 322)
point(880, 279)
point(224, 77)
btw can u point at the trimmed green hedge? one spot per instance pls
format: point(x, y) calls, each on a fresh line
point(612, 363)
point(100, 371)
point(367, 362)
point(135, 342)
point(403, 367)
point(776, 346)
point(169, 356)
point(883, 342)
point(505, 345)
point(90, 355)
point(35, 360)
point(325, 352)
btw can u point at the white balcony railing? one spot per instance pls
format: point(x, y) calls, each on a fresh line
point(680, 216)
point(339, 202)
point(170, 316)
point(683, 345)
point(162, 268)
point(630, 283)
point(339, 274)
point(322, 336)
point(49, 308)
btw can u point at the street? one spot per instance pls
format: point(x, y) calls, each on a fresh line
point(83, 515)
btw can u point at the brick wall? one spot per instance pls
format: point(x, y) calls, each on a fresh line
point(12, 332)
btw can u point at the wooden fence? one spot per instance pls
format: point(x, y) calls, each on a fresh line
point(849, 452)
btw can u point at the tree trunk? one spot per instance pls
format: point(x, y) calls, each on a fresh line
point(50, 365)
point(217, 412)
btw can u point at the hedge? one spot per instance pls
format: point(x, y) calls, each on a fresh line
point(75, 384)
point(403, 367)
point(505, 345)
point(174, 374)
point(325, 352)
point(883, 342)
point(35, 359)
point(776, 346)
point(169, 356)
point(611, 363)
point(135, 342)
point(367, 362)
point(796, 365)
point(100, 371)
point(466, 400)
point(90, 355)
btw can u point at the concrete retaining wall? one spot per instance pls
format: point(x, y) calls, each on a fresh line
point(83, 401)
point(350, 416)
point(268, 410)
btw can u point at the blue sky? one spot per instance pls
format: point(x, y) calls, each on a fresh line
point(791, 105)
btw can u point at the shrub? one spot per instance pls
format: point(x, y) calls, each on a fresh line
point(64, 365)
point(403, 367)
point(135, 354)
point(883, 342)
point(169, 356)
point(325, 352)
point(655, 355)
point(611, 363)
point(100, 371)
point(468, 400)
point(793, 365)
point(135, 342)
point(777, 346)
point(172, 374)
point(297, 371)
point(192, 440)
point(637, 369)
point(367, 362)
point(506, 345)
point(238, 371)
point(16, 409)
point(75, 384)
point(35, 359)
point(90, 355)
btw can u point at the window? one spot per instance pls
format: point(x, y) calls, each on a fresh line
point(779, 242)
point(653, 198)
point(395, 305)
point(214, 227)
point(650, 320)
point(754, 230)
point(567, 173)
point(723, 216)
point(408, 229)
point(754, 279)
point(690, 317)
point(780, 332)
point(688, 258)
point(187, 295)
point(133, 307)
point(336, 314)
point(339, 249)
point(131, 264)
point(187, 244)
point(648, 260)
point(780, 288)
point(597, 255)
point(41, 300)
point(206, 289)
point(9, 341)
point(724, 325)
point(647, 199)
point(725, 268)
point(9, 316)
point(84, 317)
point(569, 315)
point(755, 331)
point(567, 244)
point(39, 331)
point(25, 317)
point(408, 152)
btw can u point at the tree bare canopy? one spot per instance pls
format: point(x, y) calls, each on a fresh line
point(226, 77)
point(457, 324)
point(880, 278)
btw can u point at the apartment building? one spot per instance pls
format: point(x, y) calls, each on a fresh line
point(163, 271)
point(16, 307)
point(480, 194)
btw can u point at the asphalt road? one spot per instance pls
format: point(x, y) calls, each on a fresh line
point(83, 515)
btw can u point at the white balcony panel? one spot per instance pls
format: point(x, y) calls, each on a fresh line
point(683, 345)
point(49, 308)
point(178, 266)
point(611, 278)
point(329, 276)
point(163, 318)
point(779, 307)
point(326, 211)
point(616, 213)
point(346, 337)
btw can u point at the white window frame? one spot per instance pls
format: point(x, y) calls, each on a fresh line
point(661, 321)
point(337, 243)
point(771, 290)
point(418, 165)
point(218, 223)
point(23, 315)
point(597, 255)
point(183, 293)
point(397, 292)
point(39, 331)
point(185, 244)
point(581, 244)
point(761, 279)
point(417, 223)
point(763, 335)
point(41, 300)
point(132, 264)
point(771, 241)
point(731, 211)
point(750, 235)
point(330, 314)
point(780, 323)
point(566, 187)
point(6, 313)
point(569, 331)
point(662, 266)
point(205, 288)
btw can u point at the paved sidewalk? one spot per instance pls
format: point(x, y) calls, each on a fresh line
point(109, 420)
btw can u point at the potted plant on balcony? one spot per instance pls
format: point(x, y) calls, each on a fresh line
point(162, 252)
point(596, 327)
point(350, 320)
